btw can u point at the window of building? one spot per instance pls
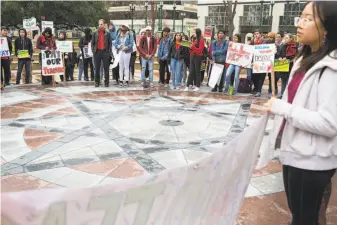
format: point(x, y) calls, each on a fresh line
point(291, 10)
point(216, 17)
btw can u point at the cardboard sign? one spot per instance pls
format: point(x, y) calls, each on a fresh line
point(64, 46)
point(217, 72)
point(240, 54)
point(281, 66)
point(4, 50)
point(30, 24)
point(186, 44)
point(208, 32)
point(206, 192)
point(45, 24)
point(263, 59)
point(23, 54)
point(52, 63)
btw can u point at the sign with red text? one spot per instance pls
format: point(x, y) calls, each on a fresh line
point(4, 50)
point(52, 63)
point(208, 32)
point(207, 192)
point(240, 54)
point(263, 59)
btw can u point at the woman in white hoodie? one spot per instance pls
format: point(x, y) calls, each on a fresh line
point(305, 126)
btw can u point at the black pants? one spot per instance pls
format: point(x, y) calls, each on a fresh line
point(115, 73)
point(21, 63)
point(258, 80)
point(98, 57)
point(132, 64)
point(304, 190)
point(86, 63)
point(6, 73)
point(195, 73)
point(164, 67)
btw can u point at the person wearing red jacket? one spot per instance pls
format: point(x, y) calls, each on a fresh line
point(147, 49)
point(196, 56)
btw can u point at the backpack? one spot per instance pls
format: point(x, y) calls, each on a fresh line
point(205, 53)
point(244, 86)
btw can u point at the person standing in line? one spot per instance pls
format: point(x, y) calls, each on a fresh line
point(196, 56)
point(80, 66)
point(124, 44)
point(6, 60)
point(69, 60)
point(115, 71)
point(84, 43)
point(164, 45)
point(101, 47)
point(176, 56)
point(147, 50)
point(133, 55)
point(305, 124)
point(185, 63)
point(46, 41)
point(219, 54)
point(23, 44)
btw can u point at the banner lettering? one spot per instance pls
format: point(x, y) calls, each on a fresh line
point(64, 46)
point(281, 66)
point(240, 54)
point(52, 63)
point(263, 59)
point(4, 50)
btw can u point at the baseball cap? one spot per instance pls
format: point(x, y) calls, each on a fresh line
point(148, 28)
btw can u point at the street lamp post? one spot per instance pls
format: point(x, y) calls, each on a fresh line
point(174, 16)
point(182, 14)
point(160, 24)
point(272, 2)
point(146, 6)
point(132, 9)
point(261, 15)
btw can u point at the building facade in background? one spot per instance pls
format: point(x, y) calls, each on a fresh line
point(276, 16)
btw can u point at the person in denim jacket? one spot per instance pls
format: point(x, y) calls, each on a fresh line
point(163, 52)
point(219, 54)
point(124, 44)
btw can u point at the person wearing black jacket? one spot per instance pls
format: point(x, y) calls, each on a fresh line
point(84, 42)
point(24, 51)
point(6, 60)
point(69, 60)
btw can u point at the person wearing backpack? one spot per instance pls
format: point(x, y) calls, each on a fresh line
point(219, 54)
point(124, 44)
point(163, 52)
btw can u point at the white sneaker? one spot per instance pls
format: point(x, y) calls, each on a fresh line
point(166, 85)
point(196, 89)
point(186, 89)
point(178, 88)
point(182, 84)
point(151, 85)
point(193, 86)
point(173, 88)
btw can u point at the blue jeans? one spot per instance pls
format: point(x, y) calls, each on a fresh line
point(249, 73)
point(183, 74)
point(148, 62)
point(230, 70)
point(80, 70)
point(176, 66)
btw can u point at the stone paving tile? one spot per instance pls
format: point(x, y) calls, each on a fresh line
point(127, 169)
point(21, 182)
point(36, 139)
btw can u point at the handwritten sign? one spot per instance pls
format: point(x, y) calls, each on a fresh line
point(206, 192)
point(263, 59)
point(30, 24)
point(87, 51)
point(64, 46)
point(52, 63)
point(240, 54)
point(281, 66)
point(186, 44)
point(45, 24)
point(23, 54)
point(4, 50)
point(208, 32)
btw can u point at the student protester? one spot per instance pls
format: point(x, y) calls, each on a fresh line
point(124, 44)
point(271, 40)
point(186, 63)
point(164, 44)
point(83, 43)
point(196, 56)
point(80, 66)
point(101, 47)
point(46, 41)
point(69, 60)
point(305, 124)
point(133, 55)
point(6, 60)
point(147, 50)
point(23, 44)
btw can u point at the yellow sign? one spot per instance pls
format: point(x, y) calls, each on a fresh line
point(281, 66)
point(23, 54)
point(186, 44)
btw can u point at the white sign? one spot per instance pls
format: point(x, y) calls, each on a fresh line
point(30, 24)
point(52, 63)
point(116, 55)
point(4, 50)
point(263, 59)
point(64, 46)
point(208, 192)
point(240, 54)
point(217, 72)
point(45, 24)
point(87, 51)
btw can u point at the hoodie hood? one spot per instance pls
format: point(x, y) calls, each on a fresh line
point(24, 30)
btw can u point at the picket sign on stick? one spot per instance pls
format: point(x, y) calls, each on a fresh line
point(272, 75)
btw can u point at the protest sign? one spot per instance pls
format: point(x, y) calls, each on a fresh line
point(30, 24)
point(208, 32)
point(281, 66)
point(64, 46)
point(4, 50)
point(217, 71)
point(87, 51)
point(186, 44)
point(240, 54)
point(45, 24)
point(117, 57)
point(22, 54)
point(206, 192)
point(263, 59)
point(52, 63)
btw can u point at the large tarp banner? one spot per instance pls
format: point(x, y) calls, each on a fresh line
point(208, 192)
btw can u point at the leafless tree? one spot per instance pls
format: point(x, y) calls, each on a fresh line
point(230, 11)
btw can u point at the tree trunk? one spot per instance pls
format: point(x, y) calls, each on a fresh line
point(153, 16)
point(231, 11)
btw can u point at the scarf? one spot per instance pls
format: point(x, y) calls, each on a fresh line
point(291, 49)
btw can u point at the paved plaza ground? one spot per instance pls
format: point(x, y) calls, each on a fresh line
point(75, 135)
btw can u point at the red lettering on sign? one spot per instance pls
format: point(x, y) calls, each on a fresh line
point(52, 71)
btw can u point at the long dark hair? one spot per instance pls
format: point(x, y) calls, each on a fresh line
point(239, 37)
point(198, 36)
point(87, 34)
point(326, 12)
point(174, 39)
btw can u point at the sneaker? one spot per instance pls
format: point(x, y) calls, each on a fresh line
point(114, 82)
point(151, 85)
point(186, 89)
point(196, 89)
point(193, 86)
point(178, 87)
point(214, 90)
point(96, 84)
point(269, 95)
point(121, 84)
point(258, 94)
point(182, 84)
point(166, 85)
point(142, 84)
point(173, 87)
point(220, 90)
point(126, 84)
point(106, 84)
